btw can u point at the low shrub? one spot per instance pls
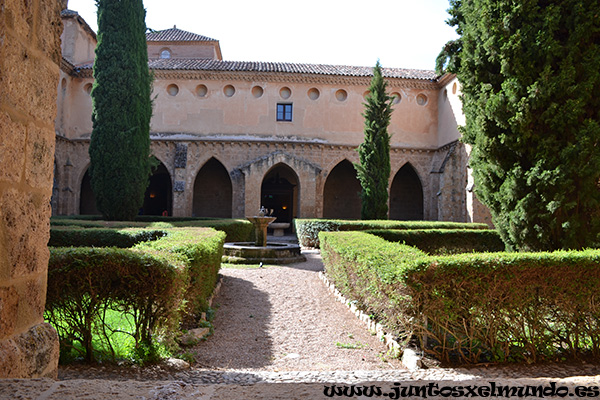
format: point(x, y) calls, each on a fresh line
point(237, 230)
point(470, 308)
point(81, 222)
point(445, 241)
point(156, 284)
point(101, 237)
point(308, 229)
point(85, 283)
point(202, 249)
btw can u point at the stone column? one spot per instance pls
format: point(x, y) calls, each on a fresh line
point(29, 71)
point(308, 194)
point(182, 189)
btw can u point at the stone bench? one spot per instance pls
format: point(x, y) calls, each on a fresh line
point(278, 227)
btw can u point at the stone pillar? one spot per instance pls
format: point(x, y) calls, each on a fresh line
point(308, 194)
point(238, 183)
point(183, 188)
point(29, 72)
point(253, 185)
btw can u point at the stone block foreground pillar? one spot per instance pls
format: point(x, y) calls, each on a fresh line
point(30, 57)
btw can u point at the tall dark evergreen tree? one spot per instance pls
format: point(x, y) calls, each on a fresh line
point(120, 144)
point(373, 171)
point(530, 83)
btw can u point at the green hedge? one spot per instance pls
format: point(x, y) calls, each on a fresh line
point(202, 249)
point(65, 236)
point(308, 229)
point(158, 284)
point(471, 308)
point(237, 230)
point(445, 241)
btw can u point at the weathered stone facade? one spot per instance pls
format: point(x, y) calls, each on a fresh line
point(30, 57)
point(226, 146)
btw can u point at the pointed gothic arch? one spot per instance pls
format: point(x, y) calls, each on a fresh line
point(280, 192)
point(87, 200)
point(341, 193)
point(158, 198)
point(406, 195)
point(212, 191)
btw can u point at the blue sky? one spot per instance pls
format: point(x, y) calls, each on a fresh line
point(400, 33)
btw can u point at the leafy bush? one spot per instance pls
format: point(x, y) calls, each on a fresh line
point(101, 237)
point(202, 249)
point(83, 283)
point(157, 284)
point(237, 230)
point(471, 308)
point(308, 229)
point(445, 241)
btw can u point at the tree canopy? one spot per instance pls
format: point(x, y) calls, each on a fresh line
point(120, 143)
point(373, 171)
point(530, 81)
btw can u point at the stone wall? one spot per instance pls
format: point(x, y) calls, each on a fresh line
point(29, 71)
point(441, 173)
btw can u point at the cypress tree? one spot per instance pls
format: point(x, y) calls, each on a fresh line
point(373, 171)
point(120, 143)
point(530, 83)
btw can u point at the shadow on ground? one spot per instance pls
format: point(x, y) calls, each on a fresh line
point(241, 342)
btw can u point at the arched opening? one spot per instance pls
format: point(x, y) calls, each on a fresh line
point(279, 192)
point(212, 191)
point(158, 199)
point(406, 195)
point(87, 200)
point(341, 194)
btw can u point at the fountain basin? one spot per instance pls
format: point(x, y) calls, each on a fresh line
point(279, 227)
point(272, 253)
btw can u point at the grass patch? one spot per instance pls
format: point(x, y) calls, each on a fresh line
point(352, 346)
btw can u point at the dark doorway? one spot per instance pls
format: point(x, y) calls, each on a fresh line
point(279, 192)
point(406, 195)
point(341, 194)
point(212, 191)
point(158, 199)
point(87, 200)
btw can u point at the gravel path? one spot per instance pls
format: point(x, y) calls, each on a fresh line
point(284, 319)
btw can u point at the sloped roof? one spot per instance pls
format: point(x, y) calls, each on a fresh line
point(176, 35)
point(293, 68)
point(67, 13)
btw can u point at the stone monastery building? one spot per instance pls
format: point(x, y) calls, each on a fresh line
point(234, 136)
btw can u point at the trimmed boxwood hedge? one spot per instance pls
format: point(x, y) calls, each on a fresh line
point(159, 283)
point(101, 237)
point(308, 229)
point(470, 308)
point(445, 241)
point(202, 249)
point(237, 230)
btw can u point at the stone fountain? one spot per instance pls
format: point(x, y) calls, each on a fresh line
point(262, 251)
point(261, 221)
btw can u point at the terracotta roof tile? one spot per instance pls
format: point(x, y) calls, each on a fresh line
point(68, 13)
point(176, 35)
point(194, 64)
point(259, 66)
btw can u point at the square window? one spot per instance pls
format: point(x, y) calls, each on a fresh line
point(284, 112)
